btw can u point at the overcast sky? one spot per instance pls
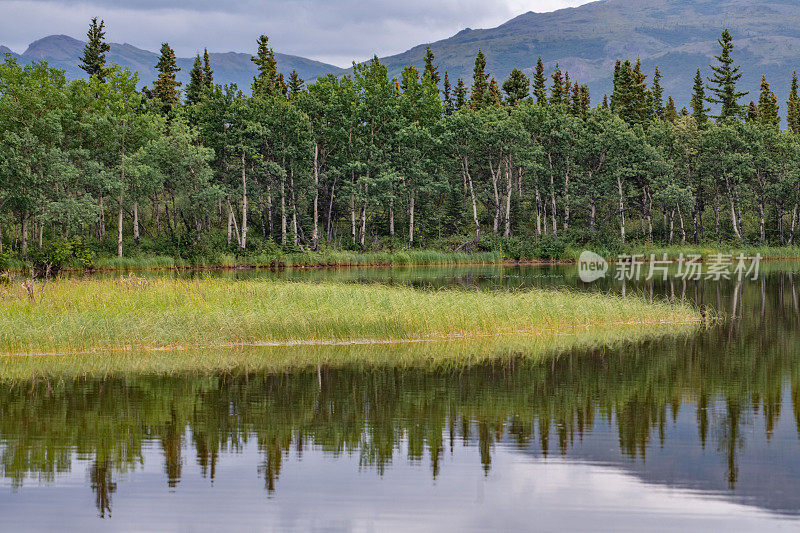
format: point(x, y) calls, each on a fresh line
point(334, 31)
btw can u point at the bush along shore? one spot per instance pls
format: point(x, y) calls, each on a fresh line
point(83, 316)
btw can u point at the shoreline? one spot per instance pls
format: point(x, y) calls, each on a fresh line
point(302, 262)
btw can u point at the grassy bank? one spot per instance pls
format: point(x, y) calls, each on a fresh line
point(71, 316)
point(434, 355)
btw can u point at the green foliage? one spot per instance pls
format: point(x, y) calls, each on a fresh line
point(59, 253)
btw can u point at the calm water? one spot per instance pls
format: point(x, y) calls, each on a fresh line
point(699, 432)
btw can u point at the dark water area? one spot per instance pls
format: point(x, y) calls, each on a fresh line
point(697, 432)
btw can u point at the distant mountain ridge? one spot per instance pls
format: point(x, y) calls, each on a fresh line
point(62, 51)
point(677, 35)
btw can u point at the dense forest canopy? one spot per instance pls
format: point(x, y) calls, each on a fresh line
point(369, 162)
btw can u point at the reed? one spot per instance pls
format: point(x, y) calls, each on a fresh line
point(74, 316)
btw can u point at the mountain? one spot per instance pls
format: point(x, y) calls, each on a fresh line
point(677, 35)
point(64, 52)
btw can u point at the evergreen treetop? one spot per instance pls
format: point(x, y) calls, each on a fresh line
point(480, 82)
point(266, 82)
point(166, 86)
point(431, 69)
point(722, 83)
point(93, 61)
point(540, 83)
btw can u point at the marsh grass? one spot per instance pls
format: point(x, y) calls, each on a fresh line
point(76, 316)
point(429, 356)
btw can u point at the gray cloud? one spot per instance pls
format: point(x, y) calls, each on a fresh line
point(335, 31)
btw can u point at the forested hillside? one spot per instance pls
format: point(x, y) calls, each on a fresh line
point(368, 162)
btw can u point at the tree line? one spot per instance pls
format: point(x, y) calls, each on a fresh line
point(365, 161)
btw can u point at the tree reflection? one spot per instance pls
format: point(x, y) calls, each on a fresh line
point(737, 371)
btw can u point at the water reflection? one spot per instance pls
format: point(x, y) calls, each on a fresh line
point(717, 411)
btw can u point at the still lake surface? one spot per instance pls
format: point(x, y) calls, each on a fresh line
point(698, 432)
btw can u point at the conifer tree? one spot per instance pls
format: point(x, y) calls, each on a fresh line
point(449, 106)
point(793, 107)
point(586, 99)
point(480, 82)
point(623, 99)
point(670, 112)
point(685, 112)
point(516, 87)
point(575, 106)
point(767, 105)
point(699, 110)
point(296, 84)
point(723, 82)
point(460, 94)
point(540, 83)
point(658, 95)
point(266, 82)
point(208, 72)
point(431, 69)
point(493, 96)
point(166, 86)
point(751, 116)
point(641, 105)
point(567, 90)
point(557, 90)
point(615, 88)
point(196, 83)
point(93, 61)
point(605, 102)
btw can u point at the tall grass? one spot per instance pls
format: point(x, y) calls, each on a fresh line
point(69, 316)
point(433, 355)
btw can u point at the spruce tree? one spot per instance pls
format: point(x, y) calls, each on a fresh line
point(658, 95)
point(493, 96)
point(431, 69)
point(670, 112)
point(767, 105)
point(196, 83)
point(723, 82)
point(557, 90)
point(296, 83)
point(480, 82)
point(605, 102)
point(699, 110)
point(623, 99)
point(641, 104)
point(208, 72)
point(449, 106)
point(166, 86)
point(586, 99)
point(751, 116)
point(685, 112)
point(793, 107)
point(266, 82)
point(540, 83)
point(567, 93)
point(575, 106)
point(93, 61)
point(516, 87)
point(460, 94)
point(616, 89)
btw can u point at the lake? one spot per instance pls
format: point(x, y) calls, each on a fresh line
point(697, 431)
